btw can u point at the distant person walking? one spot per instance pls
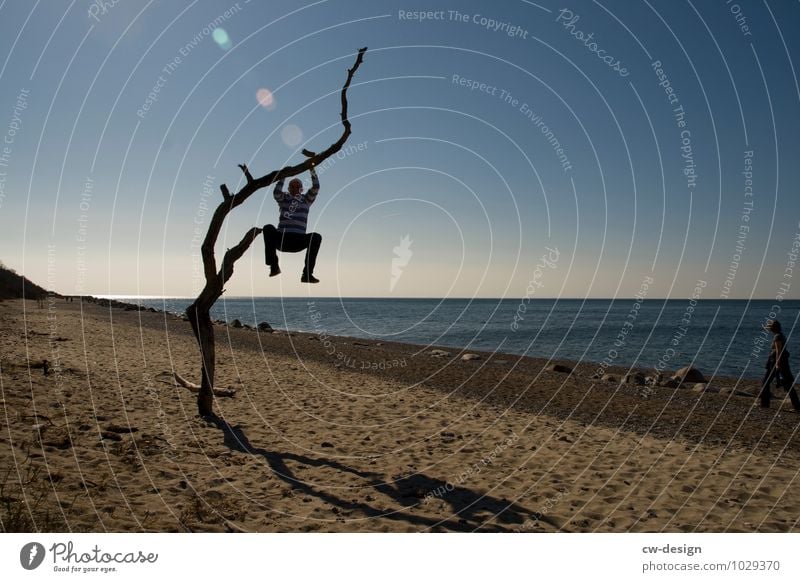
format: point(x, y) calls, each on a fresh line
point(777, 367)
point(291, 235)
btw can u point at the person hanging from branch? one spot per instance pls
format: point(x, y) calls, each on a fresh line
point(291, 235)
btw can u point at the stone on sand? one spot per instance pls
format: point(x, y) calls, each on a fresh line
point(560, 368)
point(636, 379)
point(689, 374)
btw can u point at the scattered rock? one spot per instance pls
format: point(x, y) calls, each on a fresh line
point(264, 326)
point(112, 436)
point(560, 368)
point(236, 323)
point(670, 384)
point(470, 357)
point(609, 378)
point(635, 379)
point(439, 353)
point(689, 374)
point(121, 429)
point(327, 445)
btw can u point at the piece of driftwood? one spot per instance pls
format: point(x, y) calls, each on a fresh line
point(175, 378)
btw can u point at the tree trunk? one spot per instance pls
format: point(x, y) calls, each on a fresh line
point(203, 328)
point(199, 314)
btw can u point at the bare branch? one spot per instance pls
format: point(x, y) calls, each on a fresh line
point(226, 194)
point(218, 218)
point(243, 168)
point(235, 253)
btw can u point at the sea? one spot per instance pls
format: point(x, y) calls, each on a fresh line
point(719, 337)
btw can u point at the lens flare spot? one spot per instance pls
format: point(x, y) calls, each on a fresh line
point(265, 98)
point(222, 39)
point(291, 135)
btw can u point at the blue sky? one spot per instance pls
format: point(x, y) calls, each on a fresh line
point(468, 170)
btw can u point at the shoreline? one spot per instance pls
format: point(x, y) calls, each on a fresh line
point(750, 380)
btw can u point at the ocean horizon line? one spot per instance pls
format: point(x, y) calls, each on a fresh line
point(413, 298)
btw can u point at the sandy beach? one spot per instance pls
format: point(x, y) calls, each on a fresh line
point(337, 434)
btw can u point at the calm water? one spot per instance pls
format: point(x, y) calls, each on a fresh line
point(718, 336)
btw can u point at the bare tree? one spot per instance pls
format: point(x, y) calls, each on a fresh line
point(199, 311)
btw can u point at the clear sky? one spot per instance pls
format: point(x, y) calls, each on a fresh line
point(653, 141)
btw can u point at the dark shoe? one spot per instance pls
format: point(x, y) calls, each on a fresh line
point(274, 270)
point(308, 279)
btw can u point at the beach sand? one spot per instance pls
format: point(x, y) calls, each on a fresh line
point(336, 434)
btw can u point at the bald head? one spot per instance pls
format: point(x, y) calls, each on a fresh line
point(295, 187)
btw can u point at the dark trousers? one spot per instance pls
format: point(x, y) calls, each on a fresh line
point(291, 242)
point(785, 378)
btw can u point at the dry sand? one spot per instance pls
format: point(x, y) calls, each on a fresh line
point(312, 442)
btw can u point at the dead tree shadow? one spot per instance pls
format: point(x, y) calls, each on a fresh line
point(468, 510)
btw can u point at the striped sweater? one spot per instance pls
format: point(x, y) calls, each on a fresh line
point(294, 211)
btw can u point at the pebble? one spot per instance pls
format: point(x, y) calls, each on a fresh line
point(121, 429)
point(560, 368)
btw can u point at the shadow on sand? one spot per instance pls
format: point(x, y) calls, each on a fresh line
point(469, 510)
